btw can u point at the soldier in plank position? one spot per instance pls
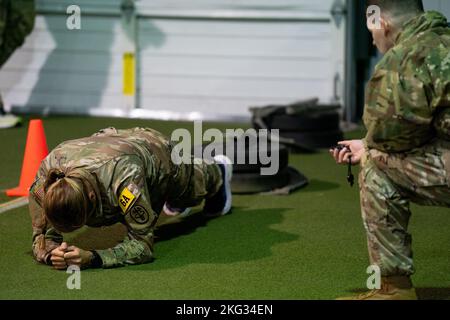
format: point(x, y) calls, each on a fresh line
point(125, 176)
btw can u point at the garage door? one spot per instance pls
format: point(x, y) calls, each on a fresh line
point(68, 71)
point(209, 59)
point(215, 59)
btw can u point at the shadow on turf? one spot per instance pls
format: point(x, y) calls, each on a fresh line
point(319, 185)
point(433, 293)
point(244, 235)
point(422, 293)
point(180, 227)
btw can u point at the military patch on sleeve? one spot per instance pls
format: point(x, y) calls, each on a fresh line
point(139, 214)
point(128, 196)
point(37, 190)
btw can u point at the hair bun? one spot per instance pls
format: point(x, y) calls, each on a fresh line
point(53, 176)
point(60, 175)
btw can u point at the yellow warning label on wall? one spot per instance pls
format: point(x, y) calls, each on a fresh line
point(128, 74)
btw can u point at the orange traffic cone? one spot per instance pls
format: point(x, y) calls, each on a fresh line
point(35, 151)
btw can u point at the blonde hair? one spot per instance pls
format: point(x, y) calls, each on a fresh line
point(66, 203)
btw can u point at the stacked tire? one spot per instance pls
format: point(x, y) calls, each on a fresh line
point(308, 129)
point(248, 177)
point(314, 131)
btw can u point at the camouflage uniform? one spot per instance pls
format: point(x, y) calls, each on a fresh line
point(16, 22)
point(407, 116)
point(134, 176)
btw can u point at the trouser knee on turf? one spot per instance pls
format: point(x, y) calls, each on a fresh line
point(195, 182)
point(388, 183)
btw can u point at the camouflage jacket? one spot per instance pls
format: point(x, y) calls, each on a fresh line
point(130, 171)
point(16, 22)
point(408, 97)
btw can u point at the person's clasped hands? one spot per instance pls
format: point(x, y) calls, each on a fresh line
point(65, 256)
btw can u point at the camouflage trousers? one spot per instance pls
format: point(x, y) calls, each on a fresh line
point(192, 183)
point(388, 183)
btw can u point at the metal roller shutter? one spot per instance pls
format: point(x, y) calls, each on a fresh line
point(214, 59)
point(68, 71)
point(207, 59)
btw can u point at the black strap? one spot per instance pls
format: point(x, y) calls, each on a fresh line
point(350, 176)
point(96, 261)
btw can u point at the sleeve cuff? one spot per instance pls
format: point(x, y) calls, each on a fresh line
point(365, 156)
point(107, 257)
point(48, 260)
point(128, 252)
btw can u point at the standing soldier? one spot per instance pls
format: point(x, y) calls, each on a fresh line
point(16, 22)
point(117, 176)
point(405, 156)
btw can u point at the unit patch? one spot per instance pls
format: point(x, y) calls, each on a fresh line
point(139, 214)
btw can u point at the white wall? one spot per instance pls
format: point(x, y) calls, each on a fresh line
point(216, 57)
point(439, 5)
point(224, 67)
point(221, 57)
point(70, 70)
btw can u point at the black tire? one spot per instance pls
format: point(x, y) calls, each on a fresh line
point(250, 154)
point(317, 122)
point(314, 140)
point(283, 159)
point(250, 183)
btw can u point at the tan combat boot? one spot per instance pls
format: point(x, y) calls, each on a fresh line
point(392, 288)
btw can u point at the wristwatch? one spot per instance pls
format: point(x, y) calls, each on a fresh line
point(96, 260)
point(48, 260)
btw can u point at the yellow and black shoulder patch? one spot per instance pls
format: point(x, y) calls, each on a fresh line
point(128, 197)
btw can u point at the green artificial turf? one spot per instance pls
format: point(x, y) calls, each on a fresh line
point(309, 245)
